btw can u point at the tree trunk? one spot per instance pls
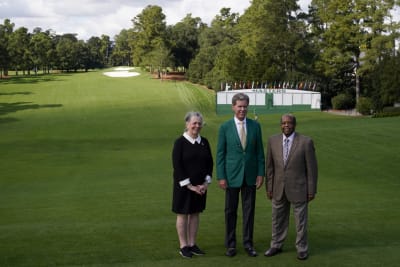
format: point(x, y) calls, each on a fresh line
point(357, 84)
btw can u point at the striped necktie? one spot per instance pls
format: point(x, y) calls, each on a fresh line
point(285, 150)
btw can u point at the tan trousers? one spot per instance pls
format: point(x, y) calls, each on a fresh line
point(280, 223)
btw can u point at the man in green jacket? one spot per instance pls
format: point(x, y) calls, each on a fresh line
point(240, 170)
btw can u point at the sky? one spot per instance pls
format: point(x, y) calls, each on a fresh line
point(89, 18)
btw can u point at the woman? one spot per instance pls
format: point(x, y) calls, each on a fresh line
point(193, 164)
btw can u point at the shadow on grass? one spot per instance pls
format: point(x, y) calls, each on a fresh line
point(16, 93)
point(33, 78)
point(6, 108)
point(7, 120)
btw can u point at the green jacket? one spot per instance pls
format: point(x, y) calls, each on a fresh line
point(233, 162)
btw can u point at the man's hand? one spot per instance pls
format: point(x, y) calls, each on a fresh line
point(222, 184)
point(259, 181)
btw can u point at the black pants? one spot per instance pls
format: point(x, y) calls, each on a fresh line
point(248, 194)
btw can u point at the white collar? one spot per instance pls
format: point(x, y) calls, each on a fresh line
point(192, 140)
point(291, 137)
point(238, 121)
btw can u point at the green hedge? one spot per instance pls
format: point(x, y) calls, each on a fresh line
point(364, 105)
point(343, 101)
point(388, 112)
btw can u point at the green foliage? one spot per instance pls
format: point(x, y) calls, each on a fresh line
point(272, 39)
point(184, 38)
point(42, 50)
point(344, 46)
point(121, 54)
point(343, 101)
point(385, 81)
point(24, 51)
point(150, 38)
point(6, 30)
point(214, 43)
point(388, 112)
point(351, 37)
point(364, 105)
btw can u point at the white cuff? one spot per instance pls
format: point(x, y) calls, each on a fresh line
point(184, 182)
point(208, 179)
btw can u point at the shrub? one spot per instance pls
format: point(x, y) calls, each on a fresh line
point(391, 109)
point(364, 105)
point(343, 101)
point(388, 112)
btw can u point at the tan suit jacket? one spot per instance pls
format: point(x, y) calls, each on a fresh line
point(298, 178)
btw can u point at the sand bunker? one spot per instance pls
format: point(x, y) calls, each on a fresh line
point(121, 72)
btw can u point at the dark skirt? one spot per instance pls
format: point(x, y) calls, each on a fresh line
point(185, 201)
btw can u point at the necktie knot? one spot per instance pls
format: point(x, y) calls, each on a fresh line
point(286, 141)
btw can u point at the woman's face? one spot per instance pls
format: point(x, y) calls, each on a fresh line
point(194, 126)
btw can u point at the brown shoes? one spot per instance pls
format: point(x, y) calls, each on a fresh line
point(302, 255)
point(272, 252)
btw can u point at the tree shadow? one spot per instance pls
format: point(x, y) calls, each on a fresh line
point(7, 120)
point(6, 108)
point(29, 79)
point(17, 93)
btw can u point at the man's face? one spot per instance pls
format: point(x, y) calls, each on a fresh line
point(240, 109)
point(287, 125)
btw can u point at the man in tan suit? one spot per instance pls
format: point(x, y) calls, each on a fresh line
point(291, 173)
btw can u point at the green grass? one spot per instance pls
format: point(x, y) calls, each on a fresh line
point(86, 179)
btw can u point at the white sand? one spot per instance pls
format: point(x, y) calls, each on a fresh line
point(123, 68)
point(122, 72)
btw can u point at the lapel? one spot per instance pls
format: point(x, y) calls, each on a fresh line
point(280, 148)
point(293, 147)
point(235, 133)
point(249, 132)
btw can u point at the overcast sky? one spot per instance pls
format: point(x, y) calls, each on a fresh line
point(90, 18)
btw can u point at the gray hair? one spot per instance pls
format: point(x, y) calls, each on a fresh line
point(192, 114)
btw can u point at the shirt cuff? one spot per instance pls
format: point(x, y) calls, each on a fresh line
point(208, 179)
point(184, 182)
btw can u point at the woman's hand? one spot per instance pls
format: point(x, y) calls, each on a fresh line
point(198, 189)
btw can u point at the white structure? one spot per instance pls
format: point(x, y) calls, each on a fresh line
point(272, 100)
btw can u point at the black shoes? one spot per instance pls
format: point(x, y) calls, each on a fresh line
point(251, 252)
point(186, 252)
point(196, 250)
point(272, 252)
point(302, 256)
point(230, 252)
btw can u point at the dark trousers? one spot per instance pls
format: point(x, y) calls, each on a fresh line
point(248, 194)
